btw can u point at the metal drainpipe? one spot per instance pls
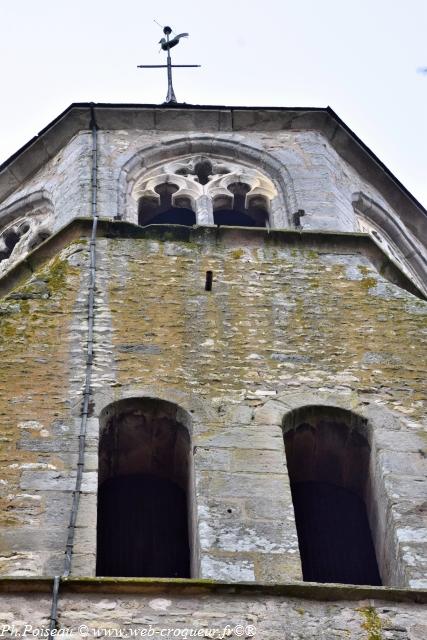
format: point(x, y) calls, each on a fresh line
point(88, 377)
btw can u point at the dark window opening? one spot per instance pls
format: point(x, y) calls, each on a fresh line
point(143, 528)
point(237, 210)
point(328, 464)
point(143, 515)
point(230, 218)
point(10, 240)
point(208, 282)
point(24, 228)
point(12, 237)
point(40, 237)
point(203, 170)
point(161, 210)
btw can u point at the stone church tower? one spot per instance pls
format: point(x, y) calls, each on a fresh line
point(213, 329)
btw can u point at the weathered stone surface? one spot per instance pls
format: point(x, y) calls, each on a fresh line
point(289, 322)
point(258, 461)
point(214, 613)
point(239, 456)
point(270, 413)
point(251, 436)
point(292, 320)
point(227, 569)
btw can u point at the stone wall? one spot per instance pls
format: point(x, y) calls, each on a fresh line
point(308, 172)
point(313, 169)
point(65, 180)
point(287, 324)
point(119, 609)
point(42, 327)
point(322, 183)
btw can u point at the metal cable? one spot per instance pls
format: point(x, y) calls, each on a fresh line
point(88, 376)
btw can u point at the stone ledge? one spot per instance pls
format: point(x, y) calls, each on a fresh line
point(180, 586)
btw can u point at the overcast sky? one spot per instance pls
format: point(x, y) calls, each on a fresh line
point(358, 56)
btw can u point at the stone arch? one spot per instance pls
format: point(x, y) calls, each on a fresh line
point(393, 237)
point(232, 148)
point(191, 409)
point(24, 224)
point(145, 477)
point(328, 456)
point(169, 406)
point(162, 197)
point(395, 519)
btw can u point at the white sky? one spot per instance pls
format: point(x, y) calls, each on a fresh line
point(358, 56)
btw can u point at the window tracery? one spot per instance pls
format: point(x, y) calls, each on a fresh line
point(394, 238)
point(205, 191)
point(381, 239)
point(26, 224)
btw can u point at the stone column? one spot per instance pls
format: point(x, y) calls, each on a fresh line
point(204, 210)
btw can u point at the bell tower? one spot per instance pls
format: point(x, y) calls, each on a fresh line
point(212, 392)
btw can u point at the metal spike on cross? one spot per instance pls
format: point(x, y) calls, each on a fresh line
point(166, 45)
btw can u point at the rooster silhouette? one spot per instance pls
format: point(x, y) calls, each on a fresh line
point(172, 43)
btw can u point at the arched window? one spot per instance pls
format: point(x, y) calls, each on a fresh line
point(204, 190)
point(162, 210)
point(238, 210)
point(10, 237)
point(143, 495)
point(24, 224)
point(394, 238)
point(328, 454)
point(9, 240)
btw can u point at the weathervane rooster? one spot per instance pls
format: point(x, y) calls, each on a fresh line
point(167, 44)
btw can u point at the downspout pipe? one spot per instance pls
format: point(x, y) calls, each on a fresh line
point(88, 375)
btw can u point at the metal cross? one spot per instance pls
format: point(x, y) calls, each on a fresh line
point(167, 46)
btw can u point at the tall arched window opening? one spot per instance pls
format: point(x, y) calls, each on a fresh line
point(144, 491)
point(161, 209)
point(328, 454)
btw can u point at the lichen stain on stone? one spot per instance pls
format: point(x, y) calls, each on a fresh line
point(271, 302)
point(372, 623)
point(34, 376)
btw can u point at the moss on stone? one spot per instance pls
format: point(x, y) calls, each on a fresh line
point(35, 370)
point(8, 329)
point(56, 274)
point(321, 312)
point(372, 623)
point(368, 283)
